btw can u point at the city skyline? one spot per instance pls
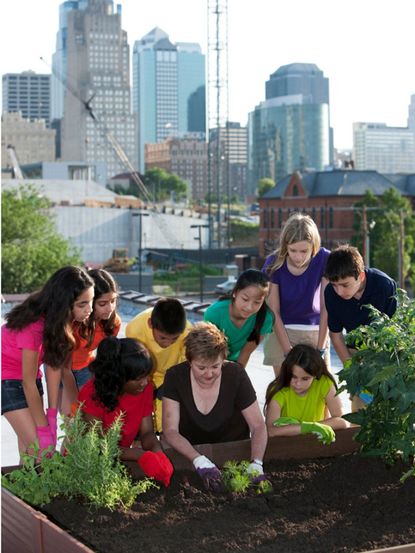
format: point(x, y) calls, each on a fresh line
point(366, 50)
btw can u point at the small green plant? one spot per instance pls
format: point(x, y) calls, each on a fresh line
point(237, 479)
point(91, 469)
point(384, 365)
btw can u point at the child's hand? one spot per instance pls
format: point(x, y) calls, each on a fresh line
point(156, 465)
point(46, 441)
point(325, 434)
point(284, 421)
point(52, 417)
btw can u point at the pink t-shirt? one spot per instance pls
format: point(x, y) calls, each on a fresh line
point(13, 342)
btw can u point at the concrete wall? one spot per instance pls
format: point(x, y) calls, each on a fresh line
point(97, 231)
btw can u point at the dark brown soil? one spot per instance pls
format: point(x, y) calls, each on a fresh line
point(339, 505)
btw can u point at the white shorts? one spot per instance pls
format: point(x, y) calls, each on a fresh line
point(273, 353)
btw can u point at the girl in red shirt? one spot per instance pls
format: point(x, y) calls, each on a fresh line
point(120, 385)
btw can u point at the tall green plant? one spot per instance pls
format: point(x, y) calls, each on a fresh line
point(91, 469)
point(384, 365)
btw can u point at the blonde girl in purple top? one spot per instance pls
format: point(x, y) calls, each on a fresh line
point(40, 330)
point(296, 295)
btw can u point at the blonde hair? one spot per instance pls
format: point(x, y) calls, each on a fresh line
point(297, 228)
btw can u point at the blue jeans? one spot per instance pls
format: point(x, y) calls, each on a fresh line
point(13, 396)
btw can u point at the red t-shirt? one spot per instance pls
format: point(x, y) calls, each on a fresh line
point(134, 407)
point(84, 354)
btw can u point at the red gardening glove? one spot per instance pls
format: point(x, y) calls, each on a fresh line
point(157, 466)
point(46, 443)
point(52, 416)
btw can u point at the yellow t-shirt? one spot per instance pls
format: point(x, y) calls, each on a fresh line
point(163, 358)
point(309, 407)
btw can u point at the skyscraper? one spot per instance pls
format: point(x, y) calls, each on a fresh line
point(59, 58)
point(291, 129)
point(168, 89)
point(97, 111)
point(29, 93)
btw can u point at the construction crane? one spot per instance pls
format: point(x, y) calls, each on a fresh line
point(119, 151)
point(104, 131)
point(17, 172)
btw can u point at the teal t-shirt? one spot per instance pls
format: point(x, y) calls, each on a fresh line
point(218, 314)
point(309, 407)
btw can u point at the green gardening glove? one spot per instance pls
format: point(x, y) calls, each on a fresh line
point(284, 421)
point(325, 434)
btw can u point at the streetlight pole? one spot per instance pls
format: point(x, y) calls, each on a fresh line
point(140, 215)
point(199, 237)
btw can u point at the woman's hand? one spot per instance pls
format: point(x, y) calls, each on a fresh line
point(209, 473)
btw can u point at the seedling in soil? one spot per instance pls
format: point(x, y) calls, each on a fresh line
point(237, 479)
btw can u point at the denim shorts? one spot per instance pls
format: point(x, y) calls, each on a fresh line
point(13, 396)
point(82, 376)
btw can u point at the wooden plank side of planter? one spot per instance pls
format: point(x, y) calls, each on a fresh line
point(21, 525)
point(283, 447)
point(409, 548)
point(55, 539)
point(25, 530)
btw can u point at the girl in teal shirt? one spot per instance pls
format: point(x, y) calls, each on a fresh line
point(243, 316)
point(303, 400)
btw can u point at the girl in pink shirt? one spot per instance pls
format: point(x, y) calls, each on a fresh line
point(40, 330)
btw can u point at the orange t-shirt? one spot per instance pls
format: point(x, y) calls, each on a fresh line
point(84, 354)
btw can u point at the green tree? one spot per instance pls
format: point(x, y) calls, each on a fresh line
point(31, 248)
point(384, 232)
point(264, 185)
point(160, 183)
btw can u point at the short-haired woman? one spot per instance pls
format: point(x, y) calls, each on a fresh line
point(210, 400)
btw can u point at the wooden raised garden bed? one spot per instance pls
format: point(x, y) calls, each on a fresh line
point(175, 519)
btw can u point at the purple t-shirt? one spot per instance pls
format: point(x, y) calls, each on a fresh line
point(13, 342)
point(300, 295)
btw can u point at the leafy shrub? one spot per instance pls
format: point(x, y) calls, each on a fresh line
point(91, 469)
point(384, 365)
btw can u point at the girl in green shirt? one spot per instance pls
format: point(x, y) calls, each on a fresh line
point(243, 316)
point(303, 400)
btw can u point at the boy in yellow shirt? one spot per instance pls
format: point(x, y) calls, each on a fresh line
point(162, 330)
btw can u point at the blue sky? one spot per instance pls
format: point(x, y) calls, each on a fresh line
point(365, 47)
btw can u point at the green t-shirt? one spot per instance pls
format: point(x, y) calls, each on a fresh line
point(218, 314)
point(310, 407)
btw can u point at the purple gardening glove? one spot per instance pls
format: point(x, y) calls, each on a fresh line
point(209, 473)
point(52, 416)
point(256, 474)
point(46, 443)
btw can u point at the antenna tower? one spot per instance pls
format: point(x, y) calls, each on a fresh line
point(218, 109)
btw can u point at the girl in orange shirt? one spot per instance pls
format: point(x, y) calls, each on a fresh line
point(104, 321)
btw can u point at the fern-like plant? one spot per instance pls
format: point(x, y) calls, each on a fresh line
point(91, 469)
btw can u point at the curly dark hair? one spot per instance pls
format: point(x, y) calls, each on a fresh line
point(54, 302)
point(118, 360)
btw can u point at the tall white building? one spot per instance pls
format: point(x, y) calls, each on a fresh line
point(383, 149)
point(97, 114)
